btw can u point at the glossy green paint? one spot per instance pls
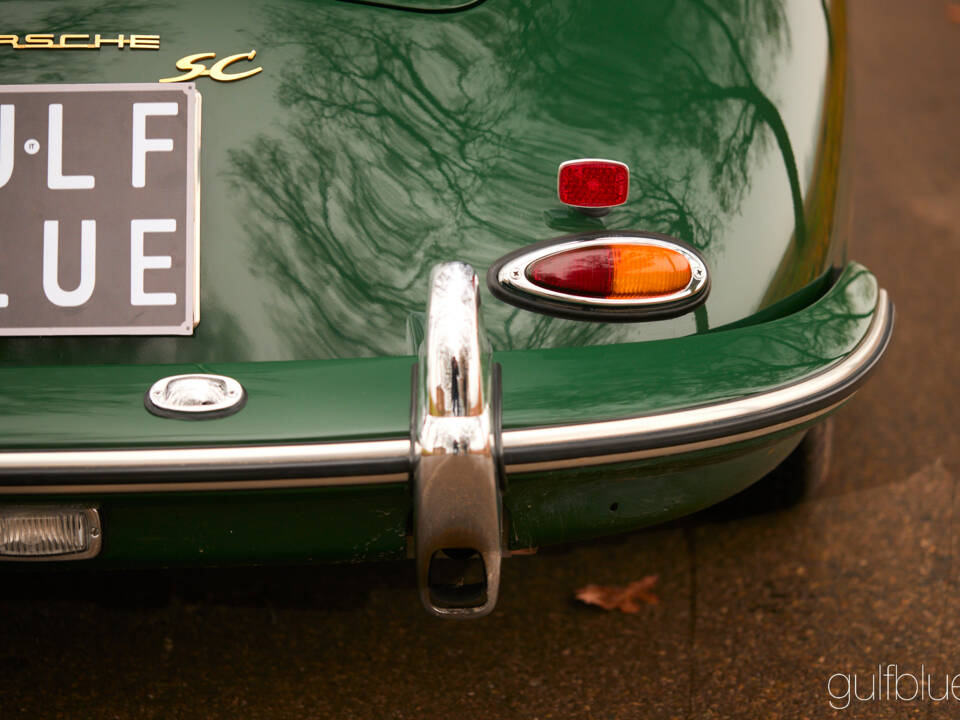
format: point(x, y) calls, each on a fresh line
point(103, 405)
point(378, 142)
point(323, 525)
point(568, 505)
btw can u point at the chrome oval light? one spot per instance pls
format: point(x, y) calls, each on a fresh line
point(195, 396)
point(604, 276)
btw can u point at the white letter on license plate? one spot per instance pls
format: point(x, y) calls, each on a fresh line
point(142, 144)
point(56, 180)
point(51, 264)
point(140, 262)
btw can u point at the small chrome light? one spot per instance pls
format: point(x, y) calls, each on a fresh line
point(49, 533)
point(195, 396)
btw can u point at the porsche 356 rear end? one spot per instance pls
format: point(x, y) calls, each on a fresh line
point(338, 280)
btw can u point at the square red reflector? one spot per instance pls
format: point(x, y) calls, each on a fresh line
point(593, 183)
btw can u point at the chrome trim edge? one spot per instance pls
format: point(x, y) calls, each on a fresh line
point(714, 425)
point(384, 458)
point(206, 486)
point(666, 451)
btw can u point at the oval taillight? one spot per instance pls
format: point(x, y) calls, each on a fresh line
point(620, 275)
point(613, 271)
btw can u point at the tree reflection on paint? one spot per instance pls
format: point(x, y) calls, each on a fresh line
point(64, 17)
point(420, 140)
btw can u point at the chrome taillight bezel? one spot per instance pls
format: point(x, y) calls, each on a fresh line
point(508, 281)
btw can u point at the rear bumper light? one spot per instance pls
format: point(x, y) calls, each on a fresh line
point(46, 532)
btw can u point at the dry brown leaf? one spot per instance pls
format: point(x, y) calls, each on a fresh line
point(953, 12)
point(625, 599)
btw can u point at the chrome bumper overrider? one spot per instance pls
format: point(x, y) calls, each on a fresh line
point(456, 488)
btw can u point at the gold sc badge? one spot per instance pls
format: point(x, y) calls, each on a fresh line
point(193, 69)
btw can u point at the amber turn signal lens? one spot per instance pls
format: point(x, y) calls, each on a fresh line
point(648, 271)
point(613, 271)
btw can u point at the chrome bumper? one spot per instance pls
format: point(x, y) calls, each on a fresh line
point(691, 429)
point(388, 461)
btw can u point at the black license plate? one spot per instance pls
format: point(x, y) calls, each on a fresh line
point(99, 202)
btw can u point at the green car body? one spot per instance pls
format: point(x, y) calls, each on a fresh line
point(380, 139)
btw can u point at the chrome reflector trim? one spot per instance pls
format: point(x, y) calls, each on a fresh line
point(49, 532)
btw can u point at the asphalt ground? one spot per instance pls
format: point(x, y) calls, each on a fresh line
point(759, 606)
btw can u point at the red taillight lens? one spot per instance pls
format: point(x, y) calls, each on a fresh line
point(593, 183)
point(588, 271)
point(613, 271)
